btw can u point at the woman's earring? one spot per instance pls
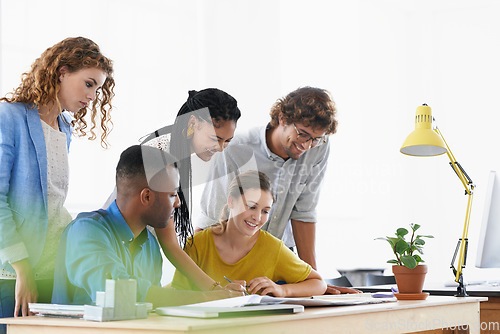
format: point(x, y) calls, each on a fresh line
point(190, 131)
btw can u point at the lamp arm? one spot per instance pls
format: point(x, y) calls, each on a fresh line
point(463, 242)
point(457, 168)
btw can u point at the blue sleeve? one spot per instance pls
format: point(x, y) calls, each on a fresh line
point(93, 255)
point(12, 248)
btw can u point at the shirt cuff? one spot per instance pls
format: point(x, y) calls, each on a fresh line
point(14, 253)
point(306, 217)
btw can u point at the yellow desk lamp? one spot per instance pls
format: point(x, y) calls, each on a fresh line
point(426, 141)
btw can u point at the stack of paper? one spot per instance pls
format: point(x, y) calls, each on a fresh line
point(57, 310)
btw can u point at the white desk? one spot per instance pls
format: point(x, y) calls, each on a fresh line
point(398, 317)
point(489, 311)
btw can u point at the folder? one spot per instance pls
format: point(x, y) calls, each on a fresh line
point(229, 312)
point(243, 306)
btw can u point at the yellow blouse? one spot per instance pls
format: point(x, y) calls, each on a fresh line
point(269, 257)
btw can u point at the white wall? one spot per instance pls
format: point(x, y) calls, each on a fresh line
point(380, 60)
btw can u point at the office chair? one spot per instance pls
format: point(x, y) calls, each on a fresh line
point(372, 279)
point(339, 281)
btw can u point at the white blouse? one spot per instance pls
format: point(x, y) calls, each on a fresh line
point(57, 189)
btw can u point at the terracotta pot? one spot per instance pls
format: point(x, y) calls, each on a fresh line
point(410, 280)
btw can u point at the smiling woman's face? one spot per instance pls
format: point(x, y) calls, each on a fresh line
point(207, 139)
point(250, 212)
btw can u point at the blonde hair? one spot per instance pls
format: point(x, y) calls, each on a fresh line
point(40, 86)
point(239, 185)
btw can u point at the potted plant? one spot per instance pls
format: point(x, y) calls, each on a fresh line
point(408, 271)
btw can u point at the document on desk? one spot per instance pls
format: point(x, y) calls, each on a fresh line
point(260, 305)
point(251, 305)
point(354, 299)
point(331, 300)
point(57, 310)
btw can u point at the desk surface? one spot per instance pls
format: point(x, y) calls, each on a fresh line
point(397, 317)
point(482, 290)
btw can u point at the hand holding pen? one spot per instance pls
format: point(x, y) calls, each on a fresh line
point(237, 283)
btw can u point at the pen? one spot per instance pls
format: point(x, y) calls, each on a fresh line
point(227, 279)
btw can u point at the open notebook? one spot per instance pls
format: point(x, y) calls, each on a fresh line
point(261, 305)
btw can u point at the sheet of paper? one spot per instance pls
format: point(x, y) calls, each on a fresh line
point(344, 296)
point(71, 311)
point(323, 300)
point(231, 302)
point(328, 300)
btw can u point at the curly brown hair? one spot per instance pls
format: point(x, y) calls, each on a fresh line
point(40, 86)
point(309, 106)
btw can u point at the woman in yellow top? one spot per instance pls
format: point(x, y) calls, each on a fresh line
point(237, 248)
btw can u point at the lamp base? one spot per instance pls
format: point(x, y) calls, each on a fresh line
point(461, 292)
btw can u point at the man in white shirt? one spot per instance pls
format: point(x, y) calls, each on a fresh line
point(292, 150)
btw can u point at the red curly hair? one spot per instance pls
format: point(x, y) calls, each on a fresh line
point(309, 106)
point(40, 86)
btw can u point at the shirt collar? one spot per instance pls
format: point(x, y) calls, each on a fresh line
point(124, 232)
point(264, 146)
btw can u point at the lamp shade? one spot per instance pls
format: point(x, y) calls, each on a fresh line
point(423, 141)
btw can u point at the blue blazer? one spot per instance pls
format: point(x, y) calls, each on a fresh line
point(23, 182)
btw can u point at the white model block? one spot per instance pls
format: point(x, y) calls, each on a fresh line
point(141, 310)
point(100, 298)
point(98, 313)
point(117, 302)
point(121, 294)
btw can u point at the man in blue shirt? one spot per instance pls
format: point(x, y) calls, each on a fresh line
point(115, 243)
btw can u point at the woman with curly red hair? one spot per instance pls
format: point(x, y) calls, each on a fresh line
point(69, 80)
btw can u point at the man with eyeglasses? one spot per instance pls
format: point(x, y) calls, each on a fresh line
point(292, 150)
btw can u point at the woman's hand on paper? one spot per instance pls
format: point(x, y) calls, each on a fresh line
point(238, 286)
point(265, 286)
point(221, 294)
point(337, 290)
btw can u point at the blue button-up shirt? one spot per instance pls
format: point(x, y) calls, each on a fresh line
point(296, 182)
point(96, 246)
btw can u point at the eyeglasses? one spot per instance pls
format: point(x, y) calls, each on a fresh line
point(304, 138)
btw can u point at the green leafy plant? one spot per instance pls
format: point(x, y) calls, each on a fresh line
point(406, 251)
